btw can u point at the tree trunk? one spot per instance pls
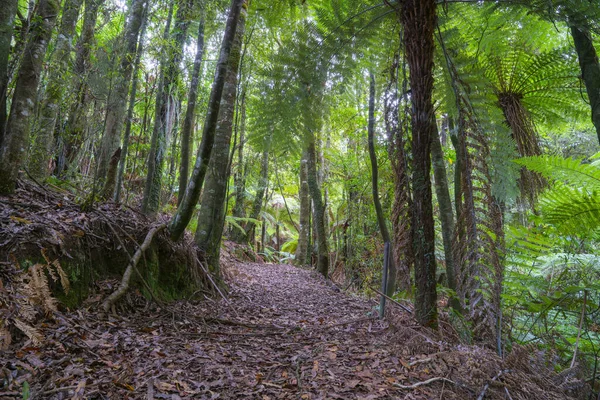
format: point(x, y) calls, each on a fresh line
point(75, 126)
point(16, 141)
point(186, 207)
point(385, 234)
point(319, 206)
point(260, 192)
point(41, 152)
point(590, 70)
point(304, 233)
point(418, 18)
point(211, 217)
point(164, 103)
point(7, 21)
point(129, 119)
point(446, 215)
point(188, 122)
point(239, 179)
point(118, 99)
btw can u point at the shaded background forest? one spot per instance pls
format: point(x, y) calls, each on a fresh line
point(474, 115)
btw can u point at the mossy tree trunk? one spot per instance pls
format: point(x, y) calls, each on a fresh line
point(385, 233)
point(16, 140)
point(192, 193)
point(118, 100)
point(7, 21)
point(304, 233)
point(590, 70)
point(263, 183)
point(239, 178)
point(165, 101)
point(418, 19)
point(58, 76)
point(211, 217)
point(190, 113)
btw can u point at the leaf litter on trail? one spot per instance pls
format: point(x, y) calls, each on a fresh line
point(284, 334)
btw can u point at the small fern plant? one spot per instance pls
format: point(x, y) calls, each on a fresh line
point(572, 204)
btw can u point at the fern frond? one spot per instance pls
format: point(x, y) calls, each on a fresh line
point(574, 209)
point(33, 334)
point(567, 170)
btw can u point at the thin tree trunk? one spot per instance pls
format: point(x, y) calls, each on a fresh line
point(118, 99)
point(129, 118)
point(75, 126)
point(186, 207)
point(319, 206)
point(7, 22)
point(188, 122)
point(303, 235)
point(446, 215)
point(164, 103)
point(385, 233)
point(16, 141)
point(590, 70)
point(211, 217)
point(239, 179)
point(41, 152)
point(260, 192)
point(418, 19)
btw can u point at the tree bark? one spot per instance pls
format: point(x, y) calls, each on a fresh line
point(304, 233)
point(16, 141)
point(211, 217)
point(186, 207)
point(188, 122)
point(260, 192)
point(239, 179)
point(418, 18)
point(41, 152)
point(129, 118)
point(446, 215)
point(319, 206)
point(75, 126)
point(7, 22)
point(385, 233)
point(165, 103)
point(590, 70)
point(118, 99)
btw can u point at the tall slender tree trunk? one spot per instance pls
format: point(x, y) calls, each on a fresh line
point(75, 126)
point(164, 103)
point(118, 99)
point(590, 70)
point(318, 204)
point(446, 214)
point(186, 207)
point(190, 113)
point(304, 233)
point(107, 190)
point(385, 233)
point(239, 178)
point(7, 22)
point(211, 217)
point(16, 141)
point(41, 152)
point(418, 18)
point(263, 183)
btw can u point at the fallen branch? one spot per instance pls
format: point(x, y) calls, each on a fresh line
point(427, 382)
point(392, 300)
point(124, 285)
point(487, 385)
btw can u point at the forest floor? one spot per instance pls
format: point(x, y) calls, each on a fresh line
point(283, 333)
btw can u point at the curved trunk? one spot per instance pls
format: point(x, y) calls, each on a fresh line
point(164, 104)
point(186, 207)
point(41, 152)
point(418, 19)
point(304, 233)
point(7, 21)
point(590, 70)
point(211, 217)
point(115, 115)
point(385, 234)
point(188, 122)
point(16, 141)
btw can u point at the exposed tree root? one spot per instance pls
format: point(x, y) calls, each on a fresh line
point(124, 285)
